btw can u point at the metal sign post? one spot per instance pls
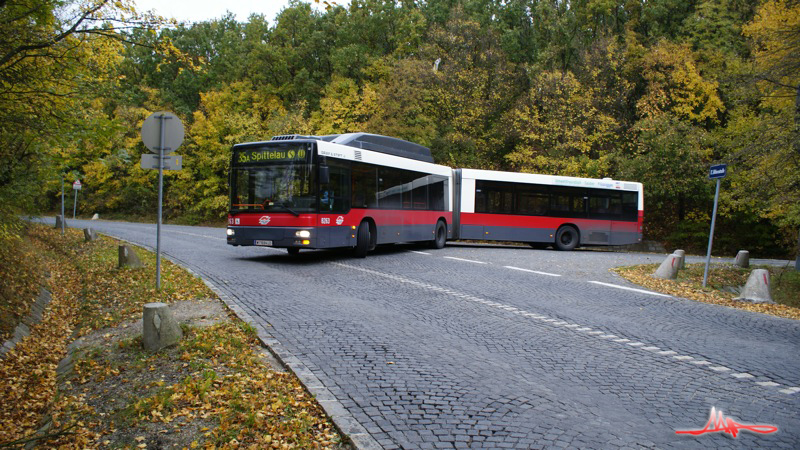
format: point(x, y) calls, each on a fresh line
point(717, 172)
point(162, 133)
point(76, 186)
point(62, 204)
point(162, 129)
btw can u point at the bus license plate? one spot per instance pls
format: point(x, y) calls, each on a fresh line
point(263, 243)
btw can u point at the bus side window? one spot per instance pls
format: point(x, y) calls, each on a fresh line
point(364, 184)
point(630, 206)
point(436, 193)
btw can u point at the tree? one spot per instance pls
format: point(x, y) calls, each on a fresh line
point(763, 138)
point(53, 55)
point(670, 157)
point(674, 85)
point(560, 129)
point(473, 85)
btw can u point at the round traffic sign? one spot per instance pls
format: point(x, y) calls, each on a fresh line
point(173, 131)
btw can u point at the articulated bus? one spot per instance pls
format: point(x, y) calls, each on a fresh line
point(351, 190)
point(547, 210)
point(359, 190)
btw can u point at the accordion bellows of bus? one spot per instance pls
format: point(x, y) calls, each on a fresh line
point(359, 190)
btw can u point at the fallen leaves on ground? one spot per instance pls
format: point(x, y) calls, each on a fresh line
point(212, 390)
point(689, 285)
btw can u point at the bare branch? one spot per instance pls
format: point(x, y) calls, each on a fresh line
point(56, 39)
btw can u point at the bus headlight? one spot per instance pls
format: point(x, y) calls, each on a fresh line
point(303, 234)
point(230, 232)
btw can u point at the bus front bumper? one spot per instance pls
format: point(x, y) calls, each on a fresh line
point(282, 237)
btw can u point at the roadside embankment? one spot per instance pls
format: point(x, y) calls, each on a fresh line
point(82, 379)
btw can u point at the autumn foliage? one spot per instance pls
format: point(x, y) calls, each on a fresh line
point(651, 91)
point(212, 390)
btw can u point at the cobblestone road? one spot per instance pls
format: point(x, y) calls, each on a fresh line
point(486, 346)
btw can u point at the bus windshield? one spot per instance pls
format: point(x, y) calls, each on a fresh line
point(282, 185)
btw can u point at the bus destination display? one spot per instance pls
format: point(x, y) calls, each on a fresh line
point(271, 154)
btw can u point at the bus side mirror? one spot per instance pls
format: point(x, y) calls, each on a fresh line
point(324, 175)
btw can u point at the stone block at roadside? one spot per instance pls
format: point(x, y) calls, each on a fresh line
point(668, 270)
point(757, 288)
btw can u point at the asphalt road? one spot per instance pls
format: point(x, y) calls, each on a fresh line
point(491, 346)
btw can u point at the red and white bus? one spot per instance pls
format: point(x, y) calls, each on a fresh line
point(359, 190)
point(351, 190)
point(546, 210)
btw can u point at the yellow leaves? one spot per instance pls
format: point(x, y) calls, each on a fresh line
point(775, 32)
point(560, 126)
point(689, 285)
point(674, 84)
point(221, 392)
point(345, 107)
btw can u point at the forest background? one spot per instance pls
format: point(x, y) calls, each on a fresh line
point(653, 91)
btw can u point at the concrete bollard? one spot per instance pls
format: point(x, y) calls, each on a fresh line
point(742, 259)
point(159, 328)
point(668, 270)
point(59, 219)
point(89, 235)
point(757, 288)
point(96, 216)
point(128, 258)
point(681, 258)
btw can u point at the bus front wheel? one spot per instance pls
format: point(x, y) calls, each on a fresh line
point(440, 235)
point(293, 250)
point(362, 240)
point(567, 238)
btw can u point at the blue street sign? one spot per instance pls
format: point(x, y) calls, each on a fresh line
point(718, 171)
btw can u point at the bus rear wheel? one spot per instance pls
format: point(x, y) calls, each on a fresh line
point(440, 235)
point(362, 240)
point(567, 238)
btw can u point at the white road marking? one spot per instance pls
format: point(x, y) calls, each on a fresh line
point(532, 271)
point(567, 325)
point(641, 291)
point(194, 234)
point(419, 252)
point(465, 260)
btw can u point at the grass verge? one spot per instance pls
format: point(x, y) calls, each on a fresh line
point(785, 286)
point(213, 390)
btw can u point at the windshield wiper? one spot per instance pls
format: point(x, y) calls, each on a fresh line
point(285, 205)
